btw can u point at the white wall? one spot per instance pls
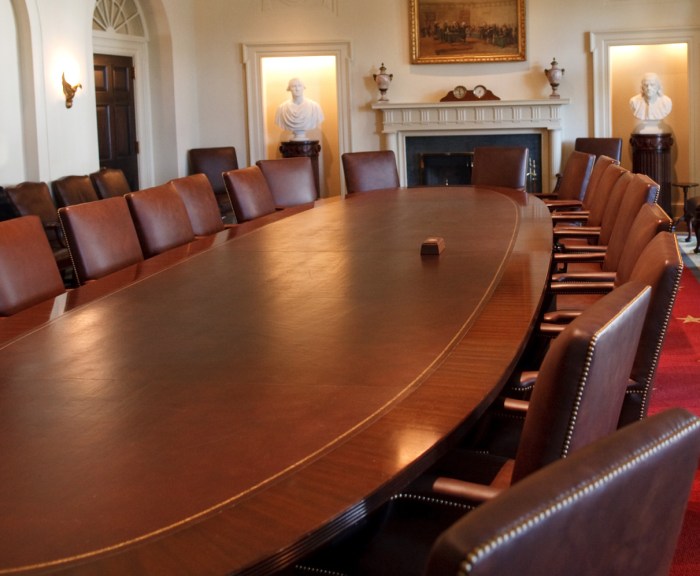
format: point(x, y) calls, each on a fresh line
point(197, 76)
point(379, 33)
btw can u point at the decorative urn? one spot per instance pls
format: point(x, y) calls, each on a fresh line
point(554, 75)
point(382, 80)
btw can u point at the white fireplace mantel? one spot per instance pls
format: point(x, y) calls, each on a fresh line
point(400, 120)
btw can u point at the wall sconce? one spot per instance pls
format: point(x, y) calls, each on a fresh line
point(69, 91)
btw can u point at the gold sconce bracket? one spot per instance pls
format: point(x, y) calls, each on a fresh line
point(69, 91)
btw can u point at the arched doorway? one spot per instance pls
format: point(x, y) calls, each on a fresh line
point(120, 45)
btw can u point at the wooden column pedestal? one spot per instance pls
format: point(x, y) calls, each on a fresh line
point(309, 148)
point(651, 155)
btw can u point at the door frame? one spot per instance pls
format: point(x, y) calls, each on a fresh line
point(137, 49)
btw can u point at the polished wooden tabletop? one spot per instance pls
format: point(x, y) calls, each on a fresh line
point(233, 410)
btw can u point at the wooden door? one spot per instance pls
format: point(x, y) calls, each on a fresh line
point(116, 115)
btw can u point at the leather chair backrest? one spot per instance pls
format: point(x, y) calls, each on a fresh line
point(110, 182)
point(101, 237)
point(500, 166)
point(612, 206)
point(250, 195)
point(33, 198)
point(213, 162)
point(291, 180)
point(611, 147)
point(623, 252)
point(581, 383)
point(28, 270)
point(71, 190)
point(600, 197)
point(574, 179)
point(641, 189)
point(160, 218)
point(200, 202)
point(660, 266)
point(601, 164)
point(615, 507)
point(372, 170)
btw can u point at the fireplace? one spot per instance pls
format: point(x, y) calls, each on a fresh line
point(457, 127)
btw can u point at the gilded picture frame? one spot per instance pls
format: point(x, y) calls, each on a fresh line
point(448, 32)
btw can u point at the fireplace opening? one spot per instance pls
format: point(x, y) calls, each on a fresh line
point(446, 168)
point(440, 160)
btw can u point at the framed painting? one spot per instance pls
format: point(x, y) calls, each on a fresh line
point(453, 31)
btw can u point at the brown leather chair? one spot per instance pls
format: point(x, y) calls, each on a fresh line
point(291, 180)
point(200, 202)
point(35, 198)
point(213, 162)
point(110, 182)
point(573, 182)
point(583, 382)
point(28, 270)
point(614, 508)
point(601, 164)
point(250, 195)
point(500, 166)
point(366, 171)
point(71, 190)
point(101, 237)
point(611, 147)
point(626, 197)
point(160, 218)
point(593, 215)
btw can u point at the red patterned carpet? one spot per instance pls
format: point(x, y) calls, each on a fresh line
point(677, 383)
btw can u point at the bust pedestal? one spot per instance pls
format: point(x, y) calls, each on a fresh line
point(651, 155)
point(309, 148)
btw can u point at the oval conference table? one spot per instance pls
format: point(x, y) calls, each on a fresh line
point(230, 411)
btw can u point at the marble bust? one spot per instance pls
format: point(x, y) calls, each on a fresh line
point(298, 114)
point(650, 106)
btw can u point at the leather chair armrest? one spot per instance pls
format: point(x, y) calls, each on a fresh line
point(516, 405)
point(572, 216)
point(473, 491)
point(576, 232)
point(465, 490)
point(551, 330)
point(561, 317)
point(588, 248)
point(562, 204)
point(578, 257)
point(598, 287)
point(582, 277)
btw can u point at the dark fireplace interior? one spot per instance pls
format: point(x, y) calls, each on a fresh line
point(446, 160)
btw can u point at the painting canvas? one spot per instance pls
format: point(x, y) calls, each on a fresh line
point(467, 31)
